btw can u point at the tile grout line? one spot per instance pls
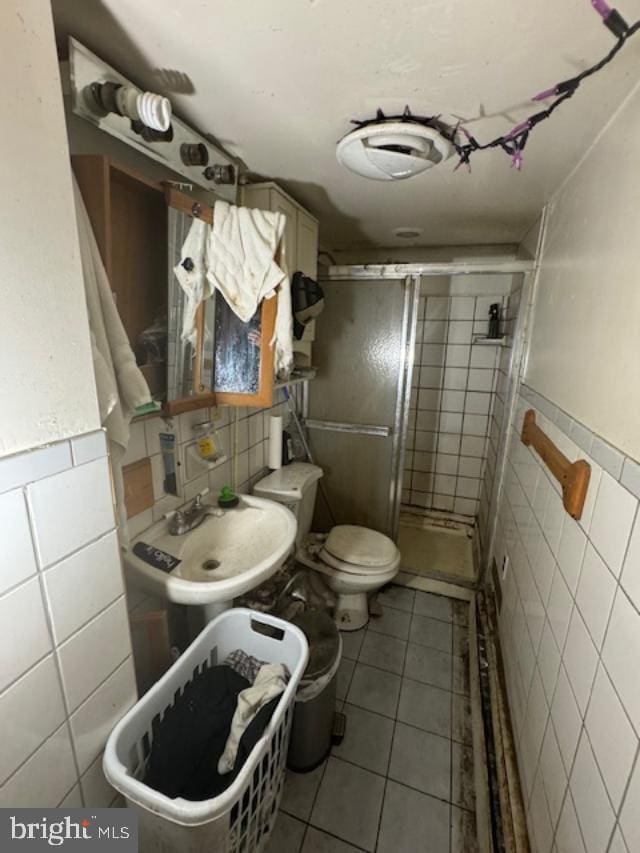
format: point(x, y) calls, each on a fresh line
point(393, 735)
point(56, 659)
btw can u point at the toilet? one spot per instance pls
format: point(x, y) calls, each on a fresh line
point(353, 560)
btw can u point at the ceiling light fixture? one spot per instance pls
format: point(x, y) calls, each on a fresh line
point(394, 148)
point(407, 233)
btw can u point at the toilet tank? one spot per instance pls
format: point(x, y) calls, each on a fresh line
point(295, 486)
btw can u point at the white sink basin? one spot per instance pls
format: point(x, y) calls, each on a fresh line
point(226, 556)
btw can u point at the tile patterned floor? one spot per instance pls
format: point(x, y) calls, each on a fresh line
point(402, 779)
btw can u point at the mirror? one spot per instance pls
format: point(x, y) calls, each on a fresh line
point(181, 355)
point(233, 360)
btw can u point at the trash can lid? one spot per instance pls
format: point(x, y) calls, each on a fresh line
point(324, 642)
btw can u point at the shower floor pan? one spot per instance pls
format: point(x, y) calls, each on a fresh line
point(437, 547)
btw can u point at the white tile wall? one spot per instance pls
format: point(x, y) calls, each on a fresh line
point(631, 571)
point(453, 385)
point(92, 723)
point(613, 516)
point(105, 641)
point(46, 777)
point(18, 559)
point(88, 447)
point(248, 443)
point(576, 680)
point(88, 579)
point(29, 712)
point(25, 633)
point(16, 471)
point(621, 654)
point(70, 509)
point(630, 814)
point(97, 792)
point(593, 809)
point(611, 735)
point(64, 635)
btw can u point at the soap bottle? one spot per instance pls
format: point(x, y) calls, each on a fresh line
point(494, 320)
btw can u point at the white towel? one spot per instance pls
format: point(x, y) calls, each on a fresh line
point(283, 331)
point(270, 682)
point(241, 265)
point(242, 247)
point(120, 384)
point(193, 278)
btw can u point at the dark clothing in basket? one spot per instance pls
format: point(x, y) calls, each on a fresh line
point(190, 738)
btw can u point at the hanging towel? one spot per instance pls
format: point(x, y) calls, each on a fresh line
point(270, 682)
point(241, 265)
point(283, 331)
point(120, 385)
point(192, 275)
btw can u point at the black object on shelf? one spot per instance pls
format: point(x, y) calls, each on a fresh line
point(494, 320)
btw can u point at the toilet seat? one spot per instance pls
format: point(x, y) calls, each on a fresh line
point(353, 569)
point(359, 546)
point(359, 551)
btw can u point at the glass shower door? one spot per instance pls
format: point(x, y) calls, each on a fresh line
point(357, 402)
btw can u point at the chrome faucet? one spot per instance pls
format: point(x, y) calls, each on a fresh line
point(183, 520)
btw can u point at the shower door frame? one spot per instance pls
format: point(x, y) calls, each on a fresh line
point(398, 431)
point(412, 275)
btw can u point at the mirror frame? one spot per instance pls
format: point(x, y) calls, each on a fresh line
point(264, 397)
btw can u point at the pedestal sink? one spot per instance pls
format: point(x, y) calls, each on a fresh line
point(229, 553)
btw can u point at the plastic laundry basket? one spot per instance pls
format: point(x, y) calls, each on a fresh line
point(240, 819)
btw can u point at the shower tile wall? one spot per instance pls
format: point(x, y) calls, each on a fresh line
point(497, 438)
point(451, 404)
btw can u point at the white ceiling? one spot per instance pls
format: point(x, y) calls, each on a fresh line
point(277, 82)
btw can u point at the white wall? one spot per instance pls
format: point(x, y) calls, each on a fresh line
point(584, 353)
point(570, 599)
point(66, 672)
point(47, 389)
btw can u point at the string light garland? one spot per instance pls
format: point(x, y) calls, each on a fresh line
point(513, 142)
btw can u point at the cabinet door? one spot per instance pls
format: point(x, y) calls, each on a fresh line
point(280, 204)
point(242, 368)
point(307, 245)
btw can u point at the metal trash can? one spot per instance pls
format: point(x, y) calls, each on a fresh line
point(315, 703)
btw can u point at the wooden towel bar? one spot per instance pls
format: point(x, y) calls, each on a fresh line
point(572, 476)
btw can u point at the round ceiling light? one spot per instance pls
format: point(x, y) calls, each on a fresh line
point(392, 150)
point(407, 233)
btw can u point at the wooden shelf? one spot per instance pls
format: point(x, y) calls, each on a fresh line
point(572, 476)
point(483, 340)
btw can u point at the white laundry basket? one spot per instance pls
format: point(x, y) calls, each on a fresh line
point(240, 819)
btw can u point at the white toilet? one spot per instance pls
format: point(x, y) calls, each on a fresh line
point(354, 560)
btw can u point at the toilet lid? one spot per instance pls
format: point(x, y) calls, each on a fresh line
point(360, 546)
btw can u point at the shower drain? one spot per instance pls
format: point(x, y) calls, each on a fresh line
point(210, 565)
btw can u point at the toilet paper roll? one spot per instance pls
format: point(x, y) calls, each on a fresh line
point(275, 442)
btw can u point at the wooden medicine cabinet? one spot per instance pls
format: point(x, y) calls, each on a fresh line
point(140, 225)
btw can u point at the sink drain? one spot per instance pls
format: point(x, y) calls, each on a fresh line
point(210, 565)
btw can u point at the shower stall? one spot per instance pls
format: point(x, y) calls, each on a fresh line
point(405, 413)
